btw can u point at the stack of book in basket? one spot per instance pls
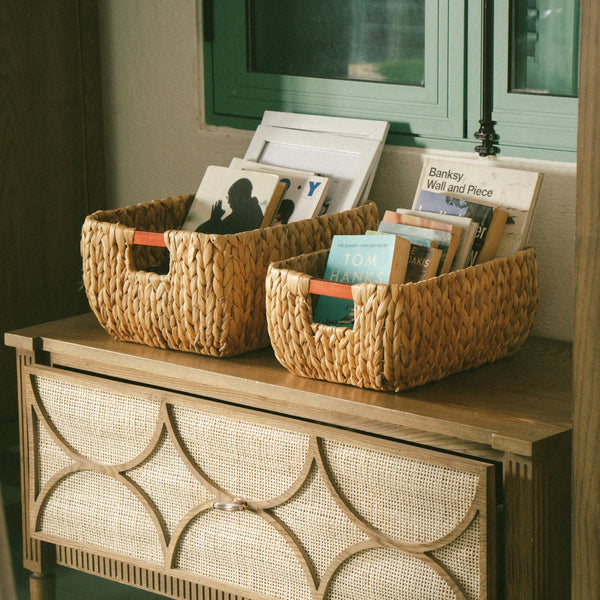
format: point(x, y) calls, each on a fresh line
point(202, 287)
point(250, 260)
point(390, 319)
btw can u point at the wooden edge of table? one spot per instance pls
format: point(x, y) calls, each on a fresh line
point(512, 405)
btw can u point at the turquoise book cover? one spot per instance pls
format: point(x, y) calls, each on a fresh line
point(360, 259)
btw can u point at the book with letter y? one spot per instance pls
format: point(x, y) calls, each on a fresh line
point(304, 195)
point(360, 259)
point(233, 200)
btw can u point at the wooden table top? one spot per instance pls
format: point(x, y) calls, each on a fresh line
point(510, 405)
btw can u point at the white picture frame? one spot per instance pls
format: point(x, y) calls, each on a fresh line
point(348, 160)
point(362, 128)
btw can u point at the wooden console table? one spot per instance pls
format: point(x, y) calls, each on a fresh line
point(198, 477)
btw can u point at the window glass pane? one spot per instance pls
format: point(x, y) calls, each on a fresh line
point(545, 42)
point(372, 40)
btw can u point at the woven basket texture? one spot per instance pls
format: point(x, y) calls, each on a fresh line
point(212, 300)
point(403, 335)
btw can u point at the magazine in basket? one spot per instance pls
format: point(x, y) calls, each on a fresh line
point(233, 200)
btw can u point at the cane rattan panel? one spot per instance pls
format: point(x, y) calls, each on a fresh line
point(255, 504)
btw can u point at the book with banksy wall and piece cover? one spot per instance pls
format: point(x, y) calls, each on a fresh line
point(233, 200)
point(360, 259)
point(513, 190)
point(305, 193)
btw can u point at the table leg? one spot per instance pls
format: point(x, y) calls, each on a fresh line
point(42, 586)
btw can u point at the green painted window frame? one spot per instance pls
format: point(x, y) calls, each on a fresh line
point(444, 114)
point(523, 120)
point(433, 110)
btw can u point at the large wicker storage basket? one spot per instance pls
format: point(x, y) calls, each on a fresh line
point(403, 335)
point(212, 300)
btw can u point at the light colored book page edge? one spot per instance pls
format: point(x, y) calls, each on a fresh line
point(464, 222)
point(462, 254)
point(441, 237)
point(399, 263)
point(437, 252)
point(467, 224)
point(414, 240)
point(456, 232)
point(450, 254)
point(495, 234)
point(422, 220)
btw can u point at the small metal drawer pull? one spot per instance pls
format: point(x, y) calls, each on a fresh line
point(236, 504)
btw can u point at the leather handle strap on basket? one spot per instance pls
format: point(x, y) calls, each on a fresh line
point(320, 287)
point(323, 287)
point(149, 238)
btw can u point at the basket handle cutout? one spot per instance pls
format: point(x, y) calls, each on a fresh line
point(334, 289)
point(149, 238)
point(149, 253)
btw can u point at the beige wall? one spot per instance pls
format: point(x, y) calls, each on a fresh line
point(157, 144)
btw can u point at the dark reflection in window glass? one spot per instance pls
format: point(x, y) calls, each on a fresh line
point(544, 47)
point(371, 40)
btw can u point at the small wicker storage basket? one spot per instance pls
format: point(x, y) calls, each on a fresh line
point(403, 335)
point(212, 300)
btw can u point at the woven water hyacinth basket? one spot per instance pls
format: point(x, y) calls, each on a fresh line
point(212, 299)
point(403, 335)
